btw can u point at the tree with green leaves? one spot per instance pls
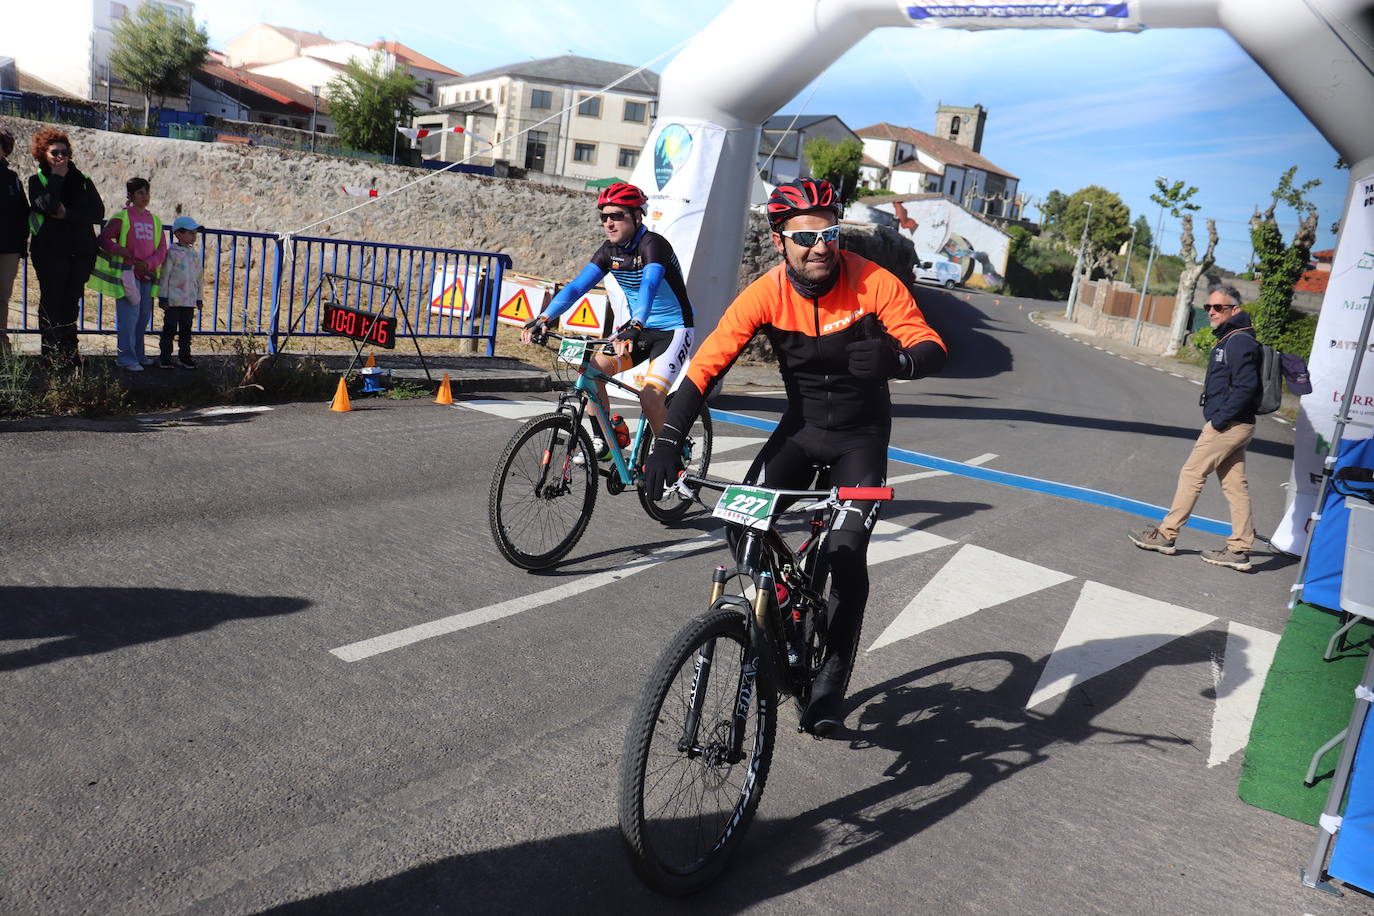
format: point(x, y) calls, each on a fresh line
point(1176, 200)
point(1107, 220)
point(837, 163)
point(363, 101)
point(155, 51)
point(1279, 266)
point(1051, 213)
point(1144, 235)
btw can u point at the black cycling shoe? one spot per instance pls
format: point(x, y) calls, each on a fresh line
point(824, 714)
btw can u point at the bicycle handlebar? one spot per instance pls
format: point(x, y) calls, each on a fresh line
point(839, 494)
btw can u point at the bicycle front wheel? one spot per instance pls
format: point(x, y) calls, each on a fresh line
point(696, 455)
point(685, 798)
point(543, 492)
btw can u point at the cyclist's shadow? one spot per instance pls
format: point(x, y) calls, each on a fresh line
point(955, 729)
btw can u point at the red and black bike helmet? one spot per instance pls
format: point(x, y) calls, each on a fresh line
point(802, 195)
point(621, 194)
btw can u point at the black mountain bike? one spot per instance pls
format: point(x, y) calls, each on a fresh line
point(701, 739)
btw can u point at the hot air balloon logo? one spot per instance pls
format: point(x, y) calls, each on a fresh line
point(671, 150)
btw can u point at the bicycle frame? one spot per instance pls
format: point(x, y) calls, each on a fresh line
point(588, 397)
point(766, 651)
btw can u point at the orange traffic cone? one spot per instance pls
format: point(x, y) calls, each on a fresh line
point(371, 361)
point(445, 395)
point(341, 399)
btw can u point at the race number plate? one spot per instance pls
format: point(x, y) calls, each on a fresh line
point(747, 506)
point(571, 351)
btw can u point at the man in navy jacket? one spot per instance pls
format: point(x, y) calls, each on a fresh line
point(1230, 394)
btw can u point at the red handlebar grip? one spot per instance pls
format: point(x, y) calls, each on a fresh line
point(878, 494)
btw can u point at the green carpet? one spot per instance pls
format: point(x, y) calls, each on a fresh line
point(1305, 702)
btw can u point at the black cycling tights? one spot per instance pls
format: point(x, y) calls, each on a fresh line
point(857, 458)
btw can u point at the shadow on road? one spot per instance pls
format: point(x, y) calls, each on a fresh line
point(89, 621)
point(945, 734)
point(973, 353)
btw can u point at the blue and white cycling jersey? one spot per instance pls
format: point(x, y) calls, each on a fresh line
point(647, 270)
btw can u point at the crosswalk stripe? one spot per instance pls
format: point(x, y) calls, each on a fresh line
point(400, 638)
point(510, 410)
point(1249, 655)
point(973, 579)
point(1108, 628)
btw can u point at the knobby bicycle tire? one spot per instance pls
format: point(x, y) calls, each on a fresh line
point(534, 530)
point(673, 507)
point(660, 783)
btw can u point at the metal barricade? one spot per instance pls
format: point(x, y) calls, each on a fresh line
point(259, 284)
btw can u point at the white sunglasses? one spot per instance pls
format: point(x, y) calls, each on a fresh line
point(807, 238)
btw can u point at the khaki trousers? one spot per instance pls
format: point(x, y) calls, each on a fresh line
point(1224, 454)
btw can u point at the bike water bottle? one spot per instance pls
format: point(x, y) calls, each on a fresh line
point(622, 432)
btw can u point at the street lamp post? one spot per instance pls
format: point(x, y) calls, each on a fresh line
point(1145, 284)
point(314, 111)
point(1078, 263)
point(394, 134)
point(1130, 250)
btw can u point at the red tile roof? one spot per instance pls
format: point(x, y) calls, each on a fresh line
point(1312, 281)
point(413, 57)
point(946, 151)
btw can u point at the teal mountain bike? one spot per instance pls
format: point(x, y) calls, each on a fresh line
point(544, 488)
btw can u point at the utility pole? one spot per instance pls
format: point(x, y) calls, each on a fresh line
point(109, 95)
point(395, 134)
point(1145, 284)
point(1130, 249)
point(1078, 263)
point(314, 112)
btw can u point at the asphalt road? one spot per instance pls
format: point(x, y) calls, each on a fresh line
point(179, 735)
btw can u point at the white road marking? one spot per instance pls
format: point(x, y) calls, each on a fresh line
point(510, 410)
point(922, 475)
point(1249, 654)
point(400, 638)
point(891, 541)
point(1108, 628)
point(974, 579)
point(729, 470)
point(229, 411)
point(721, 444)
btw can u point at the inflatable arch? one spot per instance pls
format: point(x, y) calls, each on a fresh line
point(755, 56)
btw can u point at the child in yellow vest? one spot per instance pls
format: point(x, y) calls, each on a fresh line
point(134, 237)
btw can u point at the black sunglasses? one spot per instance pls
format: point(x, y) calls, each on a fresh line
point(66, 153)
point(1213, 307)
point(618, 216)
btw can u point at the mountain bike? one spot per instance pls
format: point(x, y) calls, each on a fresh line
point(700, 741)
point(544, 488)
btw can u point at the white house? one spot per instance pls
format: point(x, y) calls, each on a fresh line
point(782, 146)
point(549, 117)
point(948, 163)
point(69, 47)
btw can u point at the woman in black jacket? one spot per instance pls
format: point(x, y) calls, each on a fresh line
point(14, 232)
point(65, 209)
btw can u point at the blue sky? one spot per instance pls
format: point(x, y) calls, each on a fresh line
point(1066, 108)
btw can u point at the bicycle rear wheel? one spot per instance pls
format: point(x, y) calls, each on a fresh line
point(541, 497)
point(697, 454)
point(684, 805)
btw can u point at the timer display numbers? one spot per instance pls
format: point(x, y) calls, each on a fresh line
point(378, 330)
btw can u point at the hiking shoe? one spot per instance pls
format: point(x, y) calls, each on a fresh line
point(1151, 539)
point(165, 362)
point(134, 368)
point(186, 362)
point(600, 450)
point(1224, 557)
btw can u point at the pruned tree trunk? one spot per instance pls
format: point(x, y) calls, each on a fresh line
point(1193, 269)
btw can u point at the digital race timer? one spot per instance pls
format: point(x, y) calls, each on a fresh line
point(378, 330)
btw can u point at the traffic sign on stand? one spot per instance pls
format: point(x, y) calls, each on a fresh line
point(591, 316)
point(521, 299)
point(448, 296)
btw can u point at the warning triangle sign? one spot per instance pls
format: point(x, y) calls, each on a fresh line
point(584, 318)
point(517, 309)
point(450, 297)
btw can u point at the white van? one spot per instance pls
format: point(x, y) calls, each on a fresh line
point(937, 270)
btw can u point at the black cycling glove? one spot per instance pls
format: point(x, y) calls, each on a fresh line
point(539, 328)
point(630, 331)
point(665, 461)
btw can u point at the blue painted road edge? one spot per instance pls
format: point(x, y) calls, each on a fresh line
point(1019, 481)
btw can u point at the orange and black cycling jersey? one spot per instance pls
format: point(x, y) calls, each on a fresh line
point(810, 337)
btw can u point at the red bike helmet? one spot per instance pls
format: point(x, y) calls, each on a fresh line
point(804, 195)
point(621, 194)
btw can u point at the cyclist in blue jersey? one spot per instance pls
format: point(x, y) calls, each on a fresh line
point(660, 324)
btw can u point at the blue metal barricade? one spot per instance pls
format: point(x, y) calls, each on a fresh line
point(259, 284)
